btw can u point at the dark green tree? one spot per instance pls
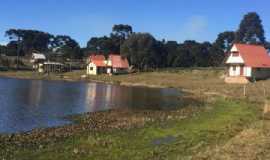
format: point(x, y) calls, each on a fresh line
point(29, 40)
point(102, 45)
point(66, 46)
point(225, 40)
point(216, 56)
point(119, 34)
point(140, 48)
point(161, 54)
point(190, 54)
point(122, 30)
point(171, 49)
point(12, 49)
point(251, 30)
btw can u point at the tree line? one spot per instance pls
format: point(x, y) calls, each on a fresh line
point(142, 49)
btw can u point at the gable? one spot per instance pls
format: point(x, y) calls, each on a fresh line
point(234, 49)
point(235, 59)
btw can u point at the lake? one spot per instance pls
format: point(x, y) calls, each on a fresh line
point(30, 104)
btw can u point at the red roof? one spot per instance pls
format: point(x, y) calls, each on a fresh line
point(118, 61)
point(254, 55)
point(98, 60)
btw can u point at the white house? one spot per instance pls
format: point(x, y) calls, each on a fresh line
point(97, 65)
point(247, 62)
point(118, 64)
point(38, 60)
point(115, 64)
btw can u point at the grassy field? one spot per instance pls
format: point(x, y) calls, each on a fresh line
point(228, 127)
point(169, 139)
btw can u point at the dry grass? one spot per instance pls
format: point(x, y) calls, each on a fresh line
point(251, 144)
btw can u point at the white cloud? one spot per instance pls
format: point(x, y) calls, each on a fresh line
point(195, 28)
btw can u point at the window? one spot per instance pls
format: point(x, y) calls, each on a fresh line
point(234, 68)
point(235, 54)
point(91, 68)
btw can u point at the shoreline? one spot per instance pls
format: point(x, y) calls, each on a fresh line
point(112, 129)
point(127, 84)
point(86, 80)
point(96, 122)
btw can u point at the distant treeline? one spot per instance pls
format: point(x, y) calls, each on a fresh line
point(142, 49)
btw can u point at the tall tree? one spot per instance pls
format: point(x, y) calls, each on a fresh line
point(102, 45)
point(251, 30)
point(225, 40)
point(121, 30)
point(119, 34)
point(66, 46)
point(171, 48)
point(140, 48)
point(216, 56)
point(29, 40)
point(13, 50)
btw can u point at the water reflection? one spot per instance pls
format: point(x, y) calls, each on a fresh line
point(34, 95)
point(29, 104)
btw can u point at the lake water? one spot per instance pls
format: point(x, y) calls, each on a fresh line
point(29, 104)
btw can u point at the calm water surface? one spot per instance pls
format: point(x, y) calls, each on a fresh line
point(29, 104)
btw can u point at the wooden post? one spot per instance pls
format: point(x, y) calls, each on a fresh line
point(244, 89)
point(265, 111)
point(266, 106)
point(264, 91)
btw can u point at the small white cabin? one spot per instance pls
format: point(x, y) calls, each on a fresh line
point(247, 62)
point(97, 65)
point(38, 60)
point(118, 64)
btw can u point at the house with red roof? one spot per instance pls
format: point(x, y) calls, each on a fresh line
point(117, 64)
point(247, 62)
point(114, 64)
point(97, 65)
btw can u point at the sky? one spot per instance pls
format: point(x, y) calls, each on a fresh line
point(177, 20)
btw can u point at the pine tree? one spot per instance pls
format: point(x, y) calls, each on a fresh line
point(251, 30)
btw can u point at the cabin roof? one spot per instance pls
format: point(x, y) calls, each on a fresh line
point(98, 60)
point(118, 61)
point(38, 56)
point(254, 55)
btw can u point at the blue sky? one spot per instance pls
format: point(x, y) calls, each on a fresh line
point(169, 19)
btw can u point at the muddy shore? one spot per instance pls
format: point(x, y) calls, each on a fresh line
point(91, 123)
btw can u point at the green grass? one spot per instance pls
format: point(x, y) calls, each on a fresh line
point(222, 120)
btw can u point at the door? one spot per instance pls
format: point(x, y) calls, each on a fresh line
point(241, 71)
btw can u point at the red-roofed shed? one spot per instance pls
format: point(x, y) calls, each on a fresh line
point(118, 64)
point(249, 61)
point(97, 65)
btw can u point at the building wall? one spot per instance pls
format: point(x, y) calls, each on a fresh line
point(236, 71)
point(261, 73)
point(91, 69)
point(247, 71)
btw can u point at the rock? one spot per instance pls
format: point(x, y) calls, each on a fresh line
point(84, 76)
point(76, 150)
